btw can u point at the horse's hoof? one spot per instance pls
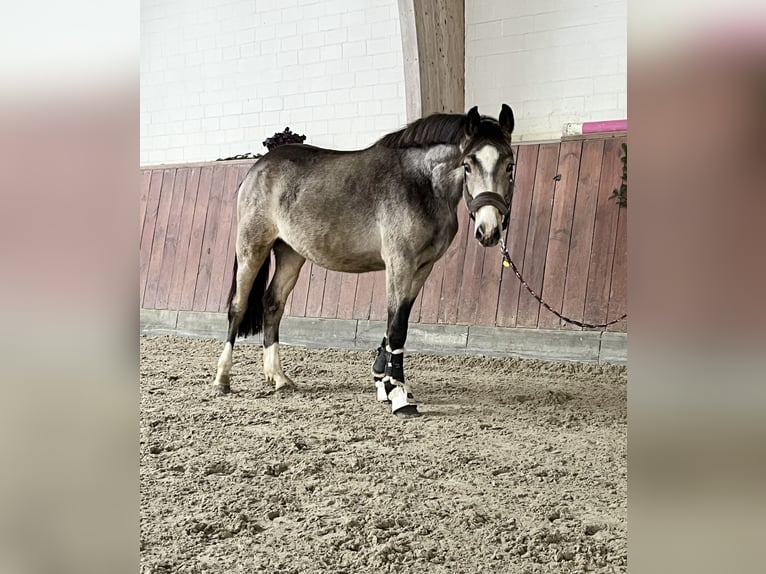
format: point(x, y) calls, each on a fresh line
point(408, 412)
point(219, 390)
point(284, 388)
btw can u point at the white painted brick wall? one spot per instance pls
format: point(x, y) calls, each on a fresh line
point(553, 61)
point(220, 76)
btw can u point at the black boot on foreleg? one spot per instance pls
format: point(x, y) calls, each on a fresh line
point(379, 373)
point(402, 402)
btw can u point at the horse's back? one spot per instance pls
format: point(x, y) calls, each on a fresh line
point(299, 172)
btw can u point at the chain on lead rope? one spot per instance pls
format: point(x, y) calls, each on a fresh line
point(508, 262)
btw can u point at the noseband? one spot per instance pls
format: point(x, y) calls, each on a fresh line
point(483, 199)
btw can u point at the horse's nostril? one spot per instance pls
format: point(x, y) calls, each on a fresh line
point(496, 234)
point(480, 232)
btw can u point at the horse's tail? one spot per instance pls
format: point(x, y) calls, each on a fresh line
point(252, 320)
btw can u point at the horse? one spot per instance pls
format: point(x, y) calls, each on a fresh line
point(390, 206)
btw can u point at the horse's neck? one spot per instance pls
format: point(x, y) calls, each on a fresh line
point(446, 177)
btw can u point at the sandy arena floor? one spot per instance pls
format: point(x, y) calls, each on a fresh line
point(516, 466)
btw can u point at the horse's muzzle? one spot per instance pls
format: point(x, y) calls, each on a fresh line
point(488, 238)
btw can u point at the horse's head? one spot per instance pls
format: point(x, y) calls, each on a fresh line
point(488, 172)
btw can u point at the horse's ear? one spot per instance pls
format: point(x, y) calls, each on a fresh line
point(506, 118)
point(473, 119)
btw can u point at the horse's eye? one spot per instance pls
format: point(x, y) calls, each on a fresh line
point(467, 168)
point(509, 168)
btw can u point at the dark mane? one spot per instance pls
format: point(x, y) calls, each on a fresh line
point(441, 129)
point(431, 130)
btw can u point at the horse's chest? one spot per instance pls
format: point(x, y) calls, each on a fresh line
point(443, 235)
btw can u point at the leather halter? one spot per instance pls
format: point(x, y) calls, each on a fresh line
point(483, 199)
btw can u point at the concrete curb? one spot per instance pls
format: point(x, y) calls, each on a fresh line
point(548, 345)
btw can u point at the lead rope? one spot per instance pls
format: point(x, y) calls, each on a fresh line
point(508, 262)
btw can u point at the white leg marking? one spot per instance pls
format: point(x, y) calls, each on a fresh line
point(224, 366)
point(225, 361)
point(271, 363)
point(272, 367)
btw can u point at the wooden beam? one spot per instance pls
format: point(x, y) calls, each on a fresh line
point(410, 58)
point(434, 62)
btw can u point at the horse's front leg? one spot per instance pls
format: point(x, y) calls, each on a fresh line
point(379, 368)
point(402, 402)
point(403, 286)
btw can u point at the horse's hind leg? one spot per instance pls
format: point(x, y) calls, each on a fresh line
point(288, 267)
point(251, 272)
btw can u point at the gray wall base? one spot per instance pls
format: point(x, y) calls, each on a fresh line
point(548, 345)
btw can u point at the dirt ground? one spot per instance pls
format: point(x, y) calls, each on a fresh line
point(515, 466)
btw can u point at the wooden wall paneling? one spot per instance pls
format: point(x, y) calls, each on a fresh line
point(430, 295)
point(147, 236)
point(347, 295)
point(364, 286)
point(331, 297)
point(184, 237)
point(212, 223)
point(379, 303)
point(537, 235)
point(581, 241)
point(158, 243)
point(604, 236)
point(560, 233)
point(618, 296)
point(199, 221)
point(526, 168)
point(171, 239)
point(301, 291)
point(470, 279)
point(489, 286)
point(146, 178)
point(316, 291)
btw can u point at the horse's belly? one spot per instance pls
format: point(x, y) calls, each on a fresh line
point(336, 253)
point(349, 265)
